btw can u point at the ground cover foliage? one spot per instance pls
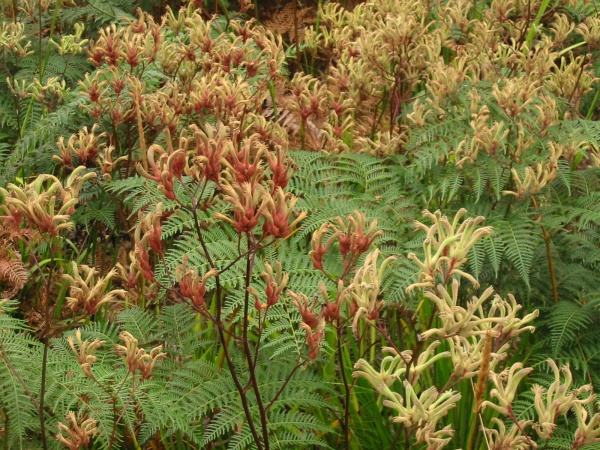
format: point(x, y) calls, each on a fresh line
point(380, 232)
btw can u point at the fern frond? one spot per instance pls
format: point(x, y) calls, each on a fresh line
point(297, 430)
point(130, 188)
point(584, 211)
point(242, 440)
point(566, 320)
point(499, 176)
point(141, 324)
point(519, 238)
point(8, 112)
point(580, 130)
point(227, 420)
point(182, 329)
point(36, 147)
point(19, 380)
point(96, 212)
point(476, 259)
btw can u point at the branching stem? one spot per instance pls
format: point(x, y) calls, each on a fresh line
point(248, 352)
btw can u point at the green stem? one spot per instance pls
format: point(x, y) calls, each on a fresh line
point(473, 431)
point(345, 424)
point(590, 112)
point(536, 22)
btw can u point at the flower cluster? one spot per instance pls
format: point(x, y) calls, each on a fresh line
point(361, 295)
point(85, 145)
point(44, 204)
point(352, 236)
point(313, 323)
point(88, 293)
point(148, 235)
point(84, 351)
point(365, 289)
point(550, 403)
point(446, 247)
point(558, 399)
point(136, 358)
point(192, 286)
point(250, 202)
point(78, 434)
point(478, 337)
point(501, 318)
point(421, 411)
point(275, 283)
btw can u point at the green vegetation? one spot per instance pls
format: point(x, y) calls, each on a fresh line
point(211, 238)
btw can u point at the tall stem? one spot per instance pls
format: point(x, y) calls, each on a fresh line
point(248, 352)
point(43, 394)
point(546, 237)
point(345, 424)
point(547, 242)
point(224, 339)
point(240, 388)
point(46, 340)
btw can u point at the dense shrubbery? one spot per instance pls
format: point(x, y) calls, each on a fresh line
point(201, 249)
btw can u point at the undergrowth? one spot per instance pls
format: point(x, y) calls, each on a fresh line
point(213, 237)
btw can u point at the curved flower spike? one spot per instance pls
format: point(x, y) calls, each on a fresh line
point(455, 319)
point(191, 285)
point(276, 282)
point(557, 400)
point(84, 351)
point(513, 439)
point(248, 200)
point(278, 213)
point(137, 359)
point(78, 435)
point(354, 237)
point(394, 366)
point(510, 325)
point(44, 203)
point(587, 432)
point(365, 289)
point(86, 292)
point(318, 249)
point(506, 384)
point(423, 410)
point(446, 247)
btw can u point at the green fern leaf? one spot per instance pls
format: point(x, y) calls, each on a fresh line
point(16, 386)
point(566, 321)
point(141, 324)
point(519, 238)
point(476, 259)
